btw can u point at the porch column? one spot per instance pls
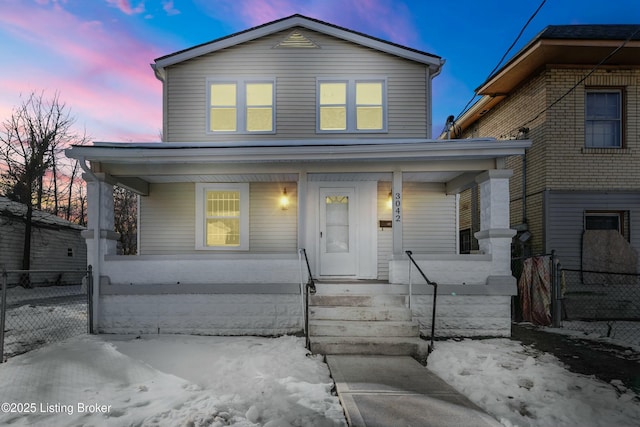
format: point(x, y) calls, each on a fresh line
point(396, 215)
point(100, 235)
point(495, 235)
point(302, 209)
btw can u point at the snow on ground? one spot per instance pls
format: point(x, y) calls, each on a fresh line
point(169, 381)
point(179, 380)
point(523, 387)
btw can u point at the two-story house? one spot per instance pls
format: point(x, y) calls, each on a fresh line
point(574, 90)
point(293, 135)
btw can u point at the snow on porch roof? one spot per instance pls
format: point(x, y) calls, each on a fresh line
point(297, 150)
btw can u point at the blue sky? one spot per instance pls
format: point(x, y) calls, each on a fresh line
point(96, 53)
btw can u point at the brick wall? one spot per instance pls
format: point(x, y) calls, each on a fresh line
point(557, 159)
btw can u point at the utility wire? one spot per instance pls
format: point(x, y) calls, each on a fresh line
point(605, 59)
point(464, 110)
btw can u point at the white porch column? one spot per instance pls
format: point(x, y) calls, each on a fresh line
point(100, 235)
point(302, 210)
point(396, 215)
point(495, 235)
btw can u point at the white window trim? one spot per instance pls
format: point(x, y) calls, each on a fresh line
point(241, 107)
point(617, 214)
point(201, 190)
point(619, 119)
point(351, 103)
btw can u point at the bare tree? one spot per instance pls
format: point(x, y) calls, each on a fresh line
point(29, 141)
point(125, 220)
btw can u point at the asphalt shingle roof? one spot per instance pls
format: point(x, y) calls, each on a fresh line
point(18, 210)
point(592, 32)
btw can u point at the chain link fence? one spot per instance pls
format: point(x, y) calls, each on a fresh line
point(601, 303)
point(41, 307)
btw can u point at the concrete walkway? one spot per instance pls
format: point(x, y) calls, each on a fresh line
point(397, 391)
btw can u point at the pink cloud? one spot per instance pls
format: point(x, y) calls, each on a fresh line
point(102, 74)
point(125, 6)
point(169, 8)
point(387, 19)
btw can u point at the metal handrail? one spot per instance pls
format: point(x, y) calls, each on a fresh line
point(435, 296)
point(310, 289)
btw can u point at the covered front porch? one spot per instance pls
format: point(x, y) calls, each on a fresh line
point(174, 286)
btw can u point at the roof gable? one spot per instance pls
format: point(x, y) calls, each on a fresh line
point(434, 62)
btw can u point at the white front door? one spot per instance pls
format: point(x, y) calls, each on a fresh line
point(338, 231)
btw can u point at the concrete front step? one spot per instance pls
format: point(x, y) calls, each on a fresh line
point(355, 328)
point(361, 289)
point(360, 313)
point(357, 300)
point(387, 346)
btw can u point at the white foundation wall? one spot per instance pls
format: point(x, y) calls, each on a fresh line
point(201, 314)
point(464, 315)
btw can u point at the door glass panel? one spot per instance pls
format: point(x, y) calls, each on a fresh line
point(337, 223)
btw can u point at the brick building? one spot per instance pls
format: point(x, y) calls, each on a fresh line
point(574, 91)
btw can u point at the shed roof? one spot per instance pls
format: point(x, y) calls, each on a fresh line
point(18, 210)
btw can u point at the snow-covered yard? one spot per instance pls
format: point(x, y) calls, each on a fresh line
point(173, 380)
point(524, 387)
point(169, 381)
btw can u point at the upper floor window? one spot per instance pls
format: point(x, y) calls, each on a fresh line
point(603, 118)
point(241, 106)
point(351, 105)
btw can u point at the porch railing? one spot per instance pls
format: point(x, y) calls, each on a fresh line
point(435, 296)
point(309, 288)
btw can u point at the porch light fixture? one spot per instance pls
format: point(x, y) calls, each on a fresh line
point(284, 200)
point(390, 201)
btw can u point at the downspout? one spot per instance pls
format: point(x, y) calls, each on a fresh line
point(97, 267)
point(429, 97)
point(524, 187)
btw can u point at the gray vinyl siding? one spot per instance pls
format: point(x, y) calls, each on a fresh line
point(295, 72)
point(271, 228)
point(564, 219)
point(49, 246)
point(429, 219)
point(167, 218)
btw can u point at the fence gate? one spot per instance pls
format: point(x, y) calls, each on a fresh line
point(39, 307)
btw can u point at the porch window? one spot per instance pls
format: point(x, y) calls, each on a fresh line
point(603, 119)
point(222, 216)
point(242, 106)
point(351, 105)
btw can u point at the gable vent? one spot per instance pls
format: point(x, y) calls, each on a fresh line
point(297, 40)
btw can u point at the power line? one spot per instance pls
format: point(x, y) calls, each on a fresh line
point(464, 110)
point(605, 59)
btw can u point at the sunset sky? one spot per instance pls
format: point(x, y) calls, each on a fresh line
point(96, 53)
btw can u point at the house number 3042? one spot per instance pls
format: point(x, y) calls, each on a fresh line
point(397, 207)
